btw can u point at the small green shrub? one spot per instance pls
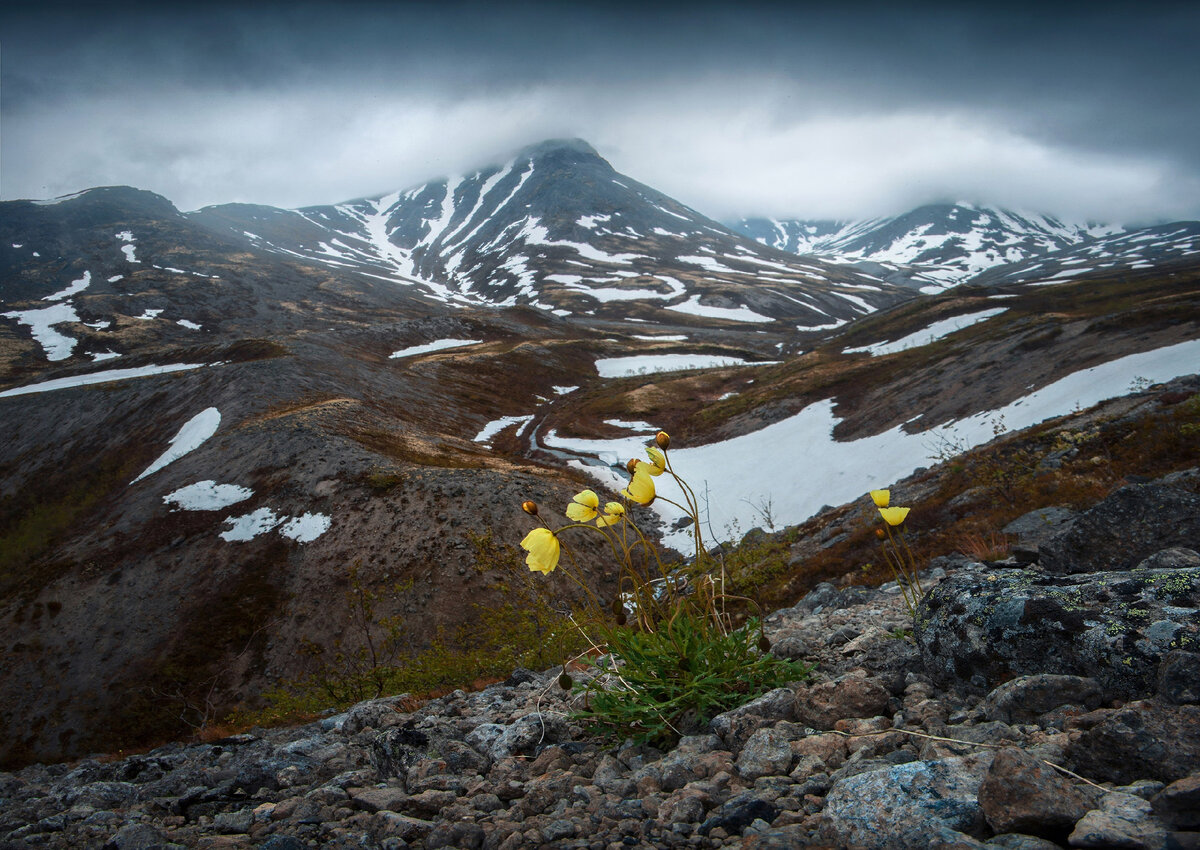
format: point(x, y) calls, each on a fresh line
point(672, 681)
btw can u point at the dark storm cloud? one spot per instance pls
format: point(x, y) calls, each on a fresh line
point(1085, 110)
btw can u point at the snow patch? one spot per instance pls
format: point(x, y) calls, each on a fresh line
point(497, 425)
point(98, 378)
point(810, 469)
point(928, 334)
point(41, 324)
point(693, 307)
point(617, 367)
point(251, 525)
point(76, 286)
point(306, 528)
point(207, 496)
point(631, 425)
point(129, 248)
point(436, 345)
point(192, 326)
point(190, 437)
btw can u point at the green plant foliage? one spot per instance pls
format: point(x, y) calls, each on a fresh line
point(672, 681)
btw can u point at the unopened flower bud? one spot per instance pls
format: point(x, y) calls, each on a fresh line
point(763, 644)
point(663, 439)
point(879, 532)
point(631, 466)
point(565, 681)
point(529, 507)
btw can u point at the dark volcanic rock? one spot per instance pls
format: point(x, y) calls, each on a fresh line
point(1130, 525)
point(979, 629)
point(1146, 739)
point(1023, 699)
point(1179, 678)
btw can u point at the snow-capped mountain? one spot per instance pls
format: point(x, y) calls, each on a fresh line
point(557, 228)
point(1148, 248)
point(935, 246)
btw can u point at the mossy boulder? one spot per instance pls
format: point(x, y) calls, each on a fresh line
point(980, 628)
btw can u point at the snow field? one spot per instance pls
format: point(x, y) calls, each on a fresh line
point(796, 467)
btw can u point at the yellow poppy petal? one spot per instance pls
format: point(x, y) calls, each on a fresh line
point(614, 512)
point(893, 516)
point(588, 498)
point(658, 461)
point(881, 497)
point(641, 486)
point(543, 549)
point(579, 513)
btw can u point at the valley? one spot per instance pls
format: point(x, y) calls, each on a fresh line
point(211, 417)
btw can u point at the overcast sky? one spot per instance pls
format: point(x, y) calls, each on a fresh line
point(797, 110)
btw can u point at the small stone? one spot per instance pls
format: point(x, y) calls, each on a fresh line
point(766, 753)
point(821, 706)
point(234, 822)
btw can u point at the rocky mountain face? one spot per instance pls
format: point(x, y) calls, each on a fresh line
point(896, 742)
point(557, 228)
point(211, 418)
point(932, 247)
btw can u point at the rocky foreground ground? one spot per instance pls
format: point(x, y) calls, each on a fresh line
point(1049, 701)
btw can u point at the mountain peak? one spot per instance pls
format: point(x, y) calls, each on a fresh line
point(552, 147)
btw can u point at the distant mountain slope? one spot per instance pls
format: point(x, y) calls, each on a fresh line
point(1133, 251)
point(935, 246)
point(557, 228)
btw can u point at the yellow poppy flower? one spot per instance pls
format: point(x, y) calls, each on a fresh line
point(583, 506)
point(881, 497)
point(641, 486)
point(543, 550)
point(893, 516)
point(614, 512)
point(658, 461)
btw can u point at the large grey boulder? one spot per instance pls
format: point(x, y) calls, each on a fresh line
point(978, 628)
point(1127, 527)
point(919, 804)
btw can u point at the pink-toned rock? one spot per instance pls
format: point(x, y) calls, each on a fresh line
point(1021, 794)
point(821, 706)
